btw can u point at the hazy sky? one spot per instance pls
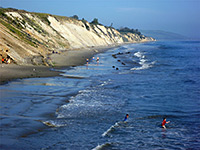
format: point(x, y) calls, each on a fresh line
point(179, 16)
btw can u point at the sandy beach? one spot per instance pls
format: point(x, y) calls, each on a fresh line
point(10, 72)
point(68, 58)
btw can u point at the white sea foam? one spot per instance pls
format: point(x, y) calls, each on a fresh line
point(139, 55)
point(143, 62)
point(105, 82)
point(110, 129)
point(144, 66)
point(99, 147)
point(82, 104)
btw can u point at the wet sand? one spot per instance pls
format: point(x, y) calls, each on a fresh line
point(9, 72)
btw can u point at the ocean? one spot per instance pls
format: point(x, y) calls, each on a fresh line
point(85, 109)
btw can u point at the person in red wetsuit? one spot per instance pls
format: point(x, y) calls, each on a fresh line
point(164, 122)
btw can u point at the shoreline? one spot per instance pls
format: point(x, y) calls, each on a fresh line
point(66, 59)
point(69, 58)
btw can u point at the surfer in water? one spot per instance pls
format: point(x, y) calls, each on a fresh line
point(164, 122)
point(126, 117)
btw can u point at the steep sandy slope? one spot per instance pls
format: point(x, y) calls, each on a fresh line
point(29, 38)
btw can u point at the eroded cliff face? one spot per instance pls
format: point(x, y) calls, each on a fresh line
point(28, 38)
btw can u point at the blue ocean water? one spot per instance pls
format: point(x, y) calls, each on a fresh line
point(85, 108)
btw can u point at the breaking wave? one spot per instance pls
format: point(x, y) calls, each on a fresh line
point(143, 62)
point(99, 147)
point(106, 133)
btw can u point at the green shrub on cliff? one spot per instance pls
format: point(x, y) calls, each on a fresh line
point(2, 12)
point(95, 21)
point(18, 32)
point(75, 17)
point(127, 30)
point(8, 19)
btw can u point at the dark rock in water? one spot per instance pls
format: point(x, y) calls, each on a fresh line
point(123, 63)
point(117, 68)
point(120, 53)
point(114, 56)
point(128, 52)
point(118, 60)
point(113, 66)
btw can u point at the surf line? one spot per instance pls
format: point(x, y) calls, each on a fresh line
point(99, 147)
point(111, 129)
point(117, 124)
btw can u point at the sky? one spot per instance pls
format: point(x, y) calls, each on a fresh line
point(178, 16)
